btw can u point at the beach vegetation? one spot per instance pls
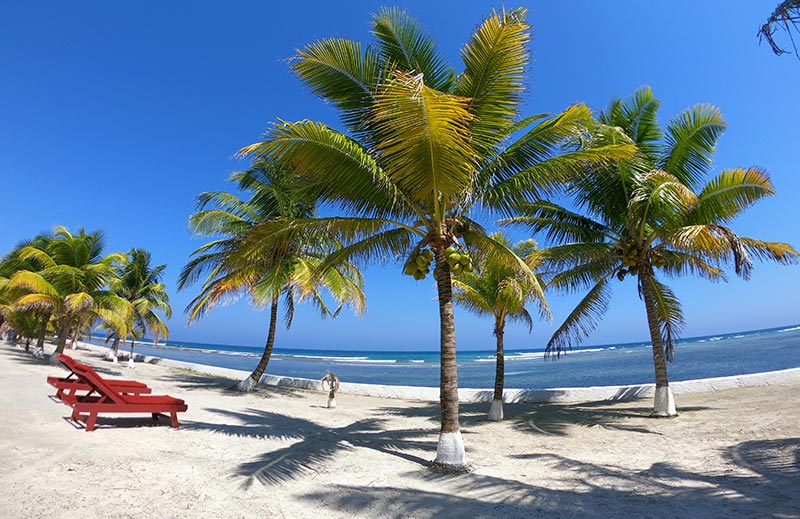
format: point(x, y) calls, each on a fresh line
point(140, 284)
point(265, 272)
point(497, 290)
point(421, 147)
point(651, 217)
point(69, 283)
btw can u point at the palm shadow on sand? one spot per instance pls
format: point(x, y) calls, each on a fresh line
point(315, 445)
point(763, 485)
point(547, 418)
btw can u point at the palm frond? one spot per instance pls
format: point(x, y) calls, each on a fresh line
point(729, 194)
point(670, 315)
point(494, 62)
point(424, 140)
point(342, 72)
point(332, 167)
point(581, 321)
point(403, 45)
point(690, 143)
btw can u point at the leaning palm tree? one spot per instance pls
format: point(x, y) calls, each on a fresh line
point(73, 284)
point(498, 290)
point(140, 284)
point(653, 213)
point(422, 146)
point(288, 269)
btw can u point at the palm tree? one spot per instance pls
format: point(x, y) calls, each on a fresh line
point(652, 213)
point(786, 17)
point(72, 285)
point(498, 290)
point(12, 263)
point(423, 145)
point(140, 284)
point(288, 270)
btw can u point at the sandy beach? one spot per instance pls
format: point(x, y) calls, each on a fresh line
point(280, 453)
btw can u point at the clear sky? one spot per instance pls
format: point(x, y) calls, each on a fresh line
point(115, 115)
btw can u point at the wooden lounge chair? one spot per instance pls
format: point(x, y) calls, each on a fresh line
point(71, 385)
point(107, 399)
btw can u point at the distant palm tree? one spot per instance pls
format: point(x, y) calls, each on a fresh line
point(12, 263)
point(72, 284)
point(288, 269)
point(423, 146)
point(648, 214)
point(140, 284)
point(498, 290)
point(786, 17)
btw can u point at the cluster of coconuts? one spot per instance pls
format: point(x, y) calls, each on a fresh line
point(458, 261)
point(419, 265)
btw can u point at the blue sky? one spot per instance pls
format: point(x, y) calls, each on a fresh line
point(115, 115)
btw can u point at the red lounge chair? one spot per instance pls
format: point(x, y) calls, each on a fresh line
point(106, 399)
point(71, 385)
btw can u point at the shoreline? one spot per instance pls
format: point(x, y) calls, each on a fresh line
point(620, 393)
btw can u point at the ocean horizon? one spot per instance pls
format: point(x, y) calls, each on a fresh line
point(736, 353)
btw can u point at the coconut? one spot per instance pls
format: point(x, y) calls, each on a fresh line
point(464, 260)
point(421, 261)
point(469, 267)
point(457, 269)
point(410, 268)
point(428, 254)
point(419, 275)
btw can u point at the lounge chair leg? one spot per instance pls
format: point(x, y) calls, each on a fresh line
point(175, 423)
point(90, 422)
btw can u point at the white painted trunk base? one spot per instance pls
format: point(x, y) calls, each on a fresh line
point(664, 404)
point(131, 365)
point(246, 385)
point(331, 403)
point(496, 411)
point(450, 451)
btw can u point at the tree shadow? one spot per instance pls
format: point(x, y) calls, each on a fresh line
point(762, 484)
point(548, 418)
point(314, 445)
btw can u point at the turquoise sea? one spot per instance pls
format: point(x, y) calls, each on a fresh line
point(614, 364)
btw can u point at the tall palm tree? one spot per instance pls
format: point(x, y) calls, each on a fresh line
point(422, 146)
point(498, 290)
point(73, 283)
point(653, 213)
point(287, 269)
point(140, 284)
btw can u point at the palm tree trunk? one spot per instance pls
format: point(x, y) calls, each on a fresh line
point(248, 384)
point(450, 454)
point(496, 411)
point(664, 402)
point(74, 338)
point(113, 353)
point(63, 334)
point(42, 332)
point(130, 358)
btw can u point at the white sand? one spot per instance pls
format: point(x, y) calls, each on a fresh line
point(281, 453)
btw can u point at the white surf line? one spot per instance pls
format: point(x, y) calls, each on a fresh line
point(431, 394)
